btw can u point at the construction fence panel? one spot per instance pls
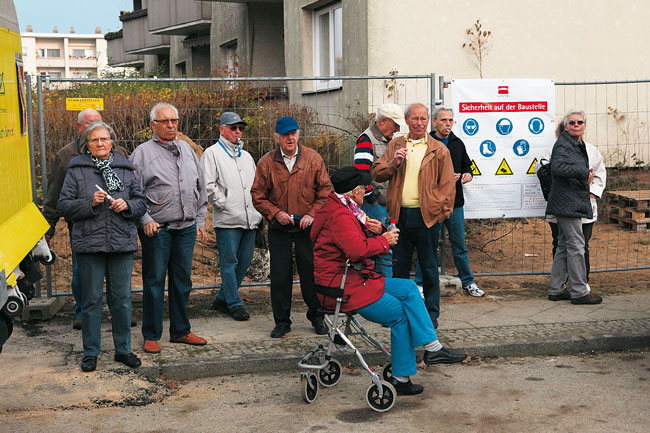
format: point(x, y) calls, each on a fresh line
point(332, 113)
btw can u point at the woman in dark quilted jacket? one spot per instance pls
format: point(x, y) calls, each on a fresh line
point(569, 202)
point(102, 198)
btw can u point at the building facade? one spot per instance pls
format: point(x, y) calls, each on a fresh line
point(64, 55)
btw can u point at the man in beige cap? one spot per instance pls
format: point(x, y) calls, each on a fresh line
point(371, 145)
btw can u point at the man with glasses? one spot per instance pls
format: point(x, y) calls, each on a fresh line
point(420, 195)
point(371, 145)
point(229, 172)
point(291, 184)
point(171, 178)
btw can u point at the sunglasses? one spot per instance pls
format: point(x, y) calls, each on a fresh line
point(578, 122)
point(236, 127)
point(172, 121)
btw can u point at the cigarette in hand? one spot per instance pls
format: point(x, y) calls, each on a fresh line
point(108, 196)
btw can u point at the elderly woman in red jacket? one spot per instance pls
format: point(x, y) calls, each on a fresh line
point(341, 231)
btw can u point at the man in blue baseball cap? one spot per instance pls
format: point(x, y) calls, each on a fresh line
point(291, 184)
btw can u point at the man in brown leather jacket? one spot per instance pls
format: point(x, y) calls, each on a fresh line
point(421, 192)
point(291, 184)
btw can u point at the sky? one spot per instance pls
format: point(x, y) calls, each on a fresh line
point(83, 15)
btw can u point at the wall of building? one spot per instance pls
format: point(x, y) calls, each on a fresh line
point(229, 24)
point(336, 107)
point(582, 40)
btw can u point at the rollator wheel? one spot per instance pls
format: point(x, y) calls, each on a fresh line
point(331, 374)
point(387, 400)
point(387, 372)
point(308, 387)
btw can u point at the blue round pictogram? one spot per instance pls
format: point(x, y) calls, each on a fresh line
point(504, 126)
point(470, 126)
point(521, 147)
point(488, 148)
point(536, 125)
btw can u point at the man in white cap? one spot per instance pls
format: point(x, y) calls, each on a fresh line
point(229, 172)
point(371, 145)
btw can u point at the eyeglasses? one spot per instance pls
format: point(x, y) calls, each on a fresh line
point(172, 121)
point(99, 139)
point(578, 122)
point(236, 127)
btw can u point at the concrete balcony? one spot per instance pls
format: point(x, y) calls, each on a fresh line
point(50, 62)
point(78, 62)
point(172, 17)
point(136, 36)
point(116, 55)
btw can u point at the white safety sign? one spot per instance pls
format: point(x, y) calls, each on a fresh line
point(505, 125)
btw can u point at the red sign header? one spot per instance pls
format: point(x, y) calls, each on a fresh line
point(510, 107)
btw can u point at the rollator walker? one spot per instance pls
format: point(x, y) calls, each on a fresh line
point(320, 368)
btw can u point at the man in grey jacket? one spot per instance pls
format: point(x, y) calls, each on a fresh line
point(229, 172)
point(171, 178)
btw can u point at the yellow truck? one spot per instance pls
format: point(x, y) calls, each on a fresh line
point(22, 225)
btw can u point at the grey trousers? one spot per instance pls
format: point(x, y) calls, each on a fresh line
point(569, 259)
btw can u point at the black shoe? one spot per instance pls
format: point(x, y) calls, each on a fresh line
point(238, 313)
point(76, 323)
point(320, 327)
point(435, 323)
point(405, 388)
point(134, 323)
point(280, 330)
point(220, 305)
point(128, 359)
point(588, 299)
point(564, 296)
point(442, 356)
point(89, 363)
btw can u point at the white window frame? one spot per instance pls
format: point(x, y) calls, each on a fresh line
point(327, 10)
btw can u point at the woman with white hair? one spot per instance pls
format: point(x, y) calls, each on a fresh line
point(102, 197)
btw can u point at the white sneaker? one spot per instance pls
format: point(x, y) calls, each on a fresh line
point(421, 289)
point(473, 290)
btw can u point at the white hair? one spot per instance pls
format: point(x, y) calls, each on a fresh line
point(83, 140)
point(84, 112)
point(413, 105)
point(158, 106)
point(437, 111)
point(565, 119)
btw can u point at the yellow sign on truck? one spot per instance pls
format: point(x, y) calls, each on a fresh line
point(22, 225)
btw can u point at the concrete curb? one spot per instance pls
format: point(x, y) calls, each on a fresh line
point(254, 363)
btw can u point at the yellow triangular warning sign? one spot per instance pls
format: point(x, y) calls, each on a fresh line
point(531, 169)
point(504, 169)
point(475, 170)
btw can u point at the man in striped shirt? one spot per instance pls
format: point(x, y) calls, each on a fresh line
point(371, 145)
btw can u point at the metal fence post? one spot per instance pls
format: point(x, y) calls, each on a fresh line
point(30, 132)
point(41, 139)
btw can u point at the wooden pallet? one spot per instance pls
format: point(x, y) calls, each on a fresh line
point(629, 209)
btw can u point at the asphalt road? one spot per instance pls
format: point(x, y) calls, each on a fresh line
point(587, 393)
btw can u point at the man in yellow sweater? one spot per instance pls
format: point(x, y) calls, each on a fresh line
point(421, 192)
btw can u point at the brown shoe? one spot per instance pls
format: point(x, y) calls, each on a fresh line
point(151, 346)
point(189, 339)
point(588, 299)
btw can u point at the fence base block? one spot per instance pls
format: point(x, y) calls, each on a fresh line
point(42, 308)
point(450, 285)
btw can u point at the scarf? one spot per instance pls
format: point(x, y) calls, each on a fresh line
point(353, 207)
point(113, 182)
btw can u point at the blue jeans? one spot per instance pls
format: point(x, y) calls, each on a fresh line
point(456, 229)
point(402, 309)
point(92, 268)
point(167, 252)
point(384, 262)
point(415, 234)
point(75, 286)
point(235, 254)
